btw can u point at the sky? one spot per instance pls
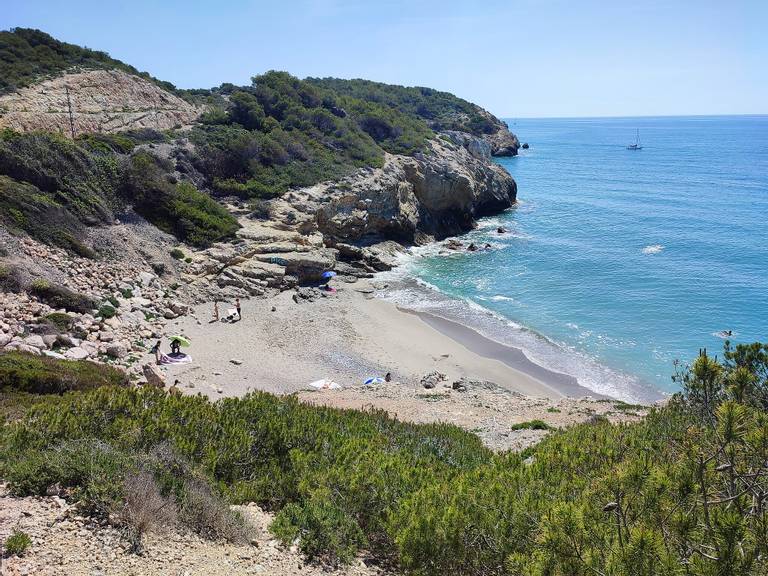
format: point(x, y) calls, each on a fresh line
point(517, 58)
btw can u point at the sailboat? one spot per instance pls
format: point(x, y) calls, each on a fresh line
point(636, 145)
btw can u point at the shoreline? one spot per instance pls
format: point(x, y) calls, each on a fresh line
point(515, 358)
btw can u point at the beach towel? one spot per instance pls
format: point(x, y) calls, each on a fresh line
point(175, 359)
point(325, 384)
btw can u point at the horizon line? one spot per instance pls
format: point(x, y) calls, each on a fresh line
point(745, 114)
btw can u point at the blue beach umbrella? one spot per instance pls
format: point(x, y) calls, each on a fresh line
point(328, 275)
point(375, 380)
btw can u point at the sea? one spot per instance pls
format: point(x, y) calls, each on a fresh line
point(618, 265)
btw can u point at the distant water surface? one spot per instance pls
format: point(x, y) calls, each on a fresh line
point(617, 261)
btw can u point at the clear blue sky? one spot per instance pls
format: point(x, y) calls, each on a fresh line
point(516, 57)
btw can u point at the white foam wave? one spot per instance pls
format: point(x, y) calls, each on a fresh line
point(501, 298)
point(653, 249)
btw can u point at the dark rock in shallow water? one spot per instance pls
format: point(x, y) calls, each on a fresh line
point(525, 146)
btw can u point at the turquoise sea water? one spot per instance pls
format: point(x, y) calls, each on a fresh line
point(617, 262)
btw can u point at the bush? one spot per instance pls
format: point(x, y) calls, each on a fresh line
point(145, 509)
point(113, 301)
point(17, 543)
point(43, 375)
point(60, 297)
point(179, 209)
point(127, 293)
point(324, 531)
point(177, 254)
point(11, 279)
point(531, 425)
point(60, 320)
point(107, 311)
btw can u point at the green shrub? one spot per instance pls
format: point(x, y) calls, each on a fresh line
point(179, 209)
point(17, 543)
point(60, 297)
point(107, 311)
point(60, 320)
point(531, 425)
point(127, 293)
point(324, 531)
point(113, 301)
point(177, 254)
point(43, 375)
point(10, 279)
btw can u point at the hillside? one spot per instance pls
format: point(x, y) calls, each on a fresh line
point(171, 161)
point(441, 110)
point(28, 56)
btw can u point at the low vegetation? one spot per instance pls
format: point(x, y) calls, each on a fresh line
point(61, 297)
point(441, 110)
point(531, 425)
point(685, 487)
point(17, 543)
point(23, 372)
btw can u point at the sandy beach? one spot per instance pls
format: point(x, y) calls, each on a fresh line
point(347, 337)
point(281, 346)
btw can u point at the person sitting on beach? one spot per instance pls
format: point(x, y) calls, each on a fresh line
point(175, 347)
point(388, 377)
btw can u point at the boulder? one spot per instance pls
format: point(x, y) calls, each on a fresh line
point(116, 351)
point(308, 266)
point(153, 375)
point(76, 354)
point(35, 341)
point(179, 308)
point(29, 349)
point(146, 278)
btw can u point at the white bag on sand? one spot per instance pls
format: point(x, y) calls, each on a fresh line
point(325, 384)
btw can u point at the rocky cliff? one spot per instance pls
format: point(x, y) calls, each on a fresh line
point(433, 194)
point(100, 101)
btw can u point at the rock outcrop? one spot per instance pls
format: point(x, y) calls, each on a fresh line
point(503, 142)
point(434, 194)
point(100, 100)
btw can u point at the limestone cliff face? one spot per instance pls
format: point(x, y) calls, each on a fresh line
point(434, 194)
point(101, 101)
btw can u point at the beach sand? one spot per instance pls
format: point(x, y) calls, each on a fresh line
point(347, 337)
point(281, 346)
